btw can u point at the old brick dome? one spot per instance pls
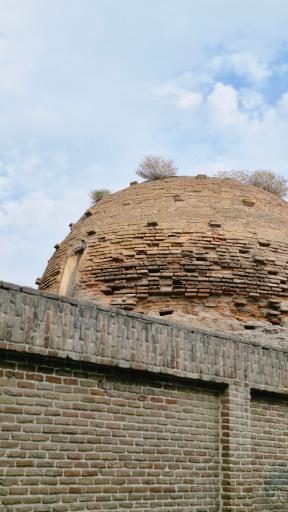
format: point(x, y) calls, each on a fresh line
point(179, 244)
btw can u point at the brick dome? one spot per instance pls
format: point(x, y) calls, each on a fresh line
point(179, 244)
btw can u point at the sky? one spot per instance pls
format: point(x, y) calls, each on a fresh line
point(89, 87)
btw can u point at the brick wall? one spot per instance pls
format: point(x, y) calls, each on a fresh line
point(270, 452)
point(88, 439)
point(105, 410)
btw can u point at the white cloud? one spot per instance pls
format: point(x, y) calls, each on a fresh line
point(5, 185)
point(251, 99)
point(251, 142)
point(283, 103)
point(242, 64)
point(36, 205)
point(191, 87)
point(183, 98)
point(30, 227)
point(223, 105)
point(188, 100)
point(236, 128)
point(19, 32)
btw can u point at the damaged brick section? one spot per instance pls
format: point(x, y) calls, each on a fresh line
point(173, 243)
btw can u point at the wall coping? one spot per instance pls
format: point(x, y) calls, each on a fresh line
point(46, 324)
point(142, 317)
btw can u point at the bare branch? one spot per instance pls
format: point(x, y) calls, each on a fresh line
point(266, 179)
point(154, 167)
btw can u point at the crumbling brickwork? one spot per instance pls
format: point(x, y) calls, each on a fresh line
point(108, 410)
point(180, 244)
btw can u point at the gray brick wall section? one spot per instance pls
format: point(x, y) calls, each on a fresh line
point(41, 323)
point(37, 406)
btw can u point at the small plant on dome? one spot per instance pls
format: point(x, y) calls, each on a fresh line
point(154, 167)
point(265, 179)
point(98, 195)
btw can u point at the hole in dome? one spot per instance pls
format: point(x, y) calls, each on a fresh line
point(165, 312)
point(248, 202)
point(177, 198)
point(250, 327)
point(214, 223)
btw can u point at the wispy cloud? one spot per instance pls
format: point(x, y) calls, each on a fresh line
point(183, 97)
point(242, 64)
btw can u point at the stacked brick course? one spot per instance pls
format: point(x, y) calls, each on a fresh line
point(82, 439)
point(108, 410)
point(181, 244)
point(270, 453)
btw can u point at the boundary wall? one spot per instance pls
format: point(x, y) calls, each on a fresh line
point(108, 410)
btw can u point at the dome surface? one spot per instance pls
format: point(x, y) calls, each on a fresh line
point(179, 244)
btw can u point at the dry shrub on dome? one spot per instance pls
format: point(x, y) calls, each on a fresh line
point(154, 167)
point(97, 195)
point(266, 179)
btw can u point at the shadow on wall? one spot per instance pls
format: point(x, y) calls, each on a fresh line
point(274, 486)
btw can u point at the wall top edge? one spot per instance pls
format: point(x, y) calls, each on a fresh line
point(82, 303)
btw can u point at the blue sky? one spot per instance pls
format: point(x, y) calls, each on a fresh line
point(88, 87)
